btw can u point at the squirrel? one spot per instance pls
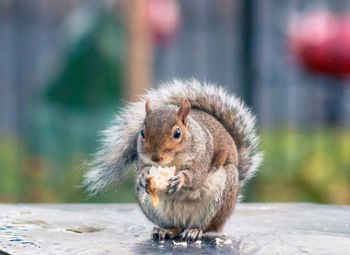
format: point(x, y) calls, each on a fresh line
point(207, 134)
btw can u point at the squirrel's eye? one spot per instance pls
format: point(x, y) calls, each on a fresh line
point(142, 133)
point(177, 133)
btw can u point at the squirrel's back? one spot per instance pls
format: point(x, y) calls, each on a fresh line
point(224, 147)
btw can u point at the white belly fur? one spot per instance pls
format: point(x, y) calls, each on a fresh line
point(190, 208)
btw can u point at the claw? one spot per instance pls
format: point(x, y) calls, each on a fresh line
point(192, 235)
point(143, 179)
point(143, 182)
point(160, 234)
point(176, 177)
point(147, 186)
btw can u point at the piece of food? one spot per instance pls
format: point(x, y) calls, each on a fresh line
point(158, 181)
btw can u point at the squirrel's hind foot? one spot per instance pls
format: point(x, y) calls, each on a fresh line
point(192, 234)
point(163, 234)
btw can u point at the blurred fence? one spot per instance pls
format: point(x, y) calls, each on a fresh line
point(304, 118)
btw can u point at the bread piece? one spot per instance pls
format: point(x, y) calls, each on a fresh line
point(158, 181)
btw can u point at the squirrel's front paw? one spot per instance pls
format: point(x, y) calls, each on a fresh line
point(175, 183)
point(143, 181)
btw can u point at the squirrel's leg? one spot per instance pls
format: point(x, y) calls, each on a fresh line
point(162, 234)
point(229, 200)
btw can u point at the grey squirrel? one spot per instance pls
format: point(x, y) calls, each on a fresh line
point(207, 134)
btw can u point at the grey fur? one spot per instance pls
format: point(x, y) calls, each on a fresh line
point(110, 164)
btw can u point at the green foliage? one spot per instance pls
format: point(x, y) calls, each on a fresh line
point(92, 72)
point(9, 169)
point(311, 166)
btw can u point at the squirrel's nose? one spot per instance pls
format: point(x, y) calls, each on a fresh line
point(156, 158)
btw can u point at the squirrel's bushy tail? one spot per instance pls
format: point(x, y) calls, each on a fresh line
point(118, 150)
point(119, 144)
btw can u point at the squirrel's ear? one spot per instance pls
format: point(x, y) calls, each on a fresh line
point(184, 110)
point(148, 106)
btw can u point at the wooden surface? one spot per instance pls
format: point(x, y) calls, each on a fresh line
point(122, 229)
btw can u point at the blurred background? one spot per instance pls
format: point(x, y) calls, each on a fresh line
point(66, 66)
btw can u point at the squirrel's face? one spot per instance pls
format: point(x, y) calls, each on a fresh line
point(164, 132)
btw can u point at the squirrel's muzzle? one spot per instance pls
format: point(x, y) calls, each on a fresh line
point(155, 157)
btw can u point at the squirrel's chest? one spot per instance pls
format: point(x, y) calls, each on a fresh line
point(192, 208)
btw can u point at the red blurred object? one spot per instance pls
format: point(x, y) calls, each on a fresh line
point(321, 41)
point(164, 19)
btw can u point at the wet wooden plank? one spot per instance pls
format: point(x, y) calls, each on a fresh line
point(122, 229)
